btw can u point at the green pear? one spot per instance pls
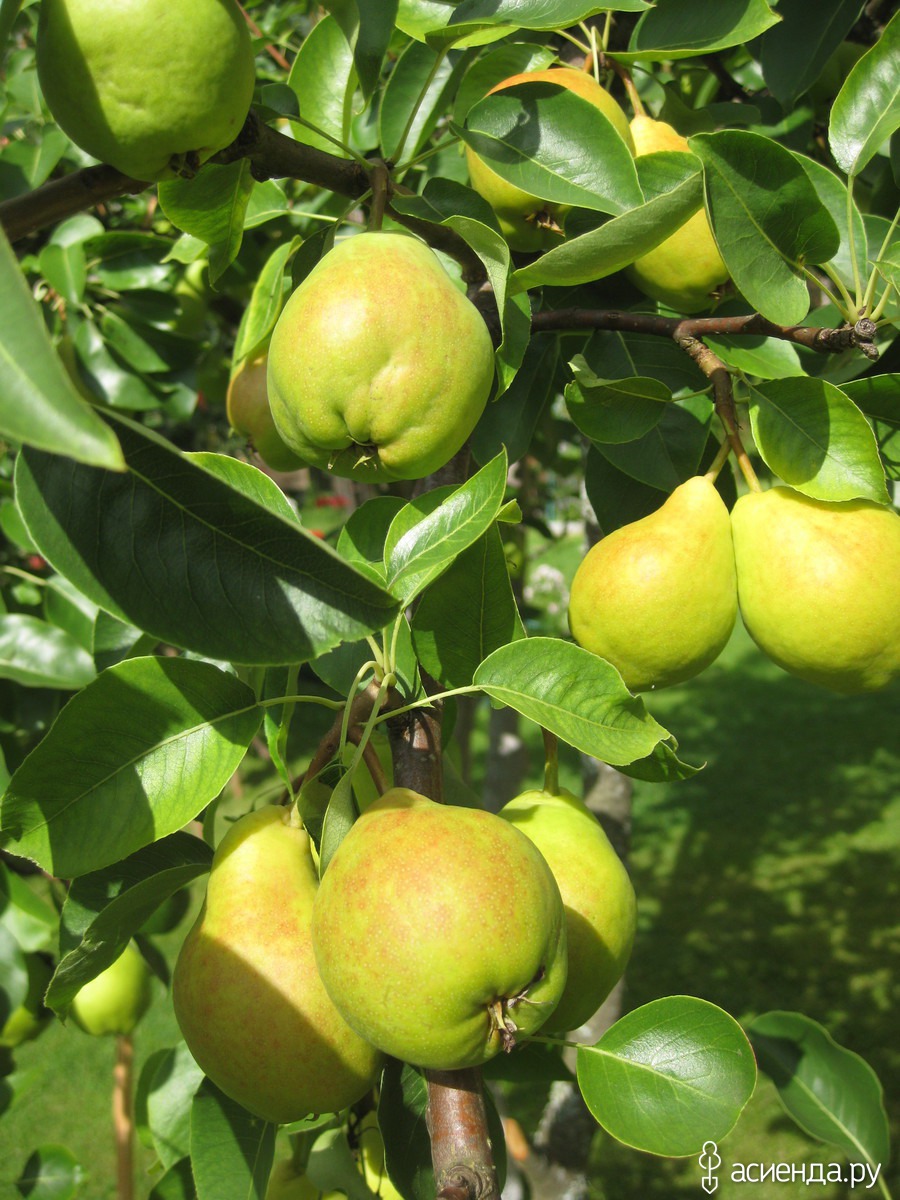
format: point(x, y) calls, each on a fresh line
point(439, 932)
point(596, 891)
point(117, 998)
point(287, 1183)
point(684, 270)
point(27, 1021)
point(817, 583)
point(527, 222)
point(247, 995)
point(371, 1149)
point(146, 85)
point(379, 367)
point(658, 598)
point(247, 404)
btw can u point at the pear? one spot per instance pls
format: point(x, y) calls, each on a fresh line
point(526, 221)
point(247, 405)
point(287, 1183)
point(439, 932)
point(818, 586)
point(117, 998)
point(596, 891)
point(379, 367)
point(371, 1148)
point(151, 87)
point(658, 598)
point(247, 995)
point(685, 269)
point(26, 1022)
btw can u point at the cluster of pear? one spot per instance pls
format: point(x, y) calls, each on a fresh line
point(683, 271)
point(437, 934)
point(815, 581)
point(151, 87)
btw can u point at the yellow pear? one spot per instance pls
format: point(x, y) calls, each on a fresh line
point(379, 366)
point(597, 894)
point(439, 932)
point(247, 994)
point(685, 269)
point(658, 598)
point(818, 586)
point(527, 222)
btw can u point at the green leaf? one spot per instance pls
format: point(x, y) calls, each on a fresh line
point(616, 497)
point(427, 549)
point(832, 191)
point(51, 1173)
point(767, 218)
point(37, 654)
point(812, 435)
point(339, 818)
point(250, 481)
point(105, 909)
point(552, 143)
point(467, 614)
point(511, 58)
point(38, 402)
point(266, 302)
point(419, 85)
point(793, 52)
point(536, 14)
point(831, 1093)
point(620, 410)
point(671, 452)
point(669, 1076)
point(367, 28)
point(65, 269)
point(9, 10)
point(673, 29)
point(867, 109)
point(14, 976)
point(31, 920)
point(176, 1184)
point(231, 1150)
point(623, 239)
point(323, 78)
point(511, 420)
point(361, 541)
point(211, 207)
point(133, 757)
point(164, 1097)
point(574, 694)
point(277, 594)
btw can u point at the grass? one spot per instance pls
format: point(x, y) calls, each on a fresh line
point(770, 880)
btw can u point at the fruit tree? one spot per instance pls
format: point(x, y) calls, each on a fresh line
point(329, 331)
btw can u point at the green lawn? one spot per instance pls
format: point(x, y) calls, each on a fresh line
point(770, 880)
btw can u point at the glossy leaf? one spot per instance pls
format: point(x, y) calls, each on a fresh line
point(673, 29)
point(669, 1076)
point(266, 302)
point(832, 191)
point(670, 453)
point(368, 28)
point(866, 111)
point(231, 1150)
point(830, 1092)
point(38, 402)
point(793, 52)
point(140, 545)
point(51, 1173)
point(574, 694)
point(131, 758)
point(423, 553)
point(211, 206)
point(418, 84)
point(767, 219)
point(620, 241)
point(466, 614)
point(105, 909)
point(323, 78)
point(339, 818)
point(620, 410)
point(816, 439)
point(536, 14)
point(165, 1093)
point(362, 539)
point(552, 143)
point(37, 654)
point(511, 58)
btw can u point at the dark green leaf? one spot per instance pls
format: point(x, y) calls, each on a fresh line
point(140, 545)
point(618, 410)
point(616, 497)
point(38, 402)
point(51, 1173)
point(418, 85)
point(670, 453)
point(669, 1076)
point(867, 109)
point(511, 419)
point(133, 757)
point(673, 29)
point(574, 694)
point(176, 1184)
point(830, 1092)
point(793, 52)
point(231, 1151)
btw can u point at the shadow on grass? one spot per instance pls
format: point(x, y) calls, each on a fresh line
point(771, 880)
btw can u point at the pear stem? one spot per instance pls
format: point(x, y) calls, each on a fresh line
point(628, 83)
point(723, 397)
point(381, 184)
point(719, 461)
point(123, 1116)
point(551, 762)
